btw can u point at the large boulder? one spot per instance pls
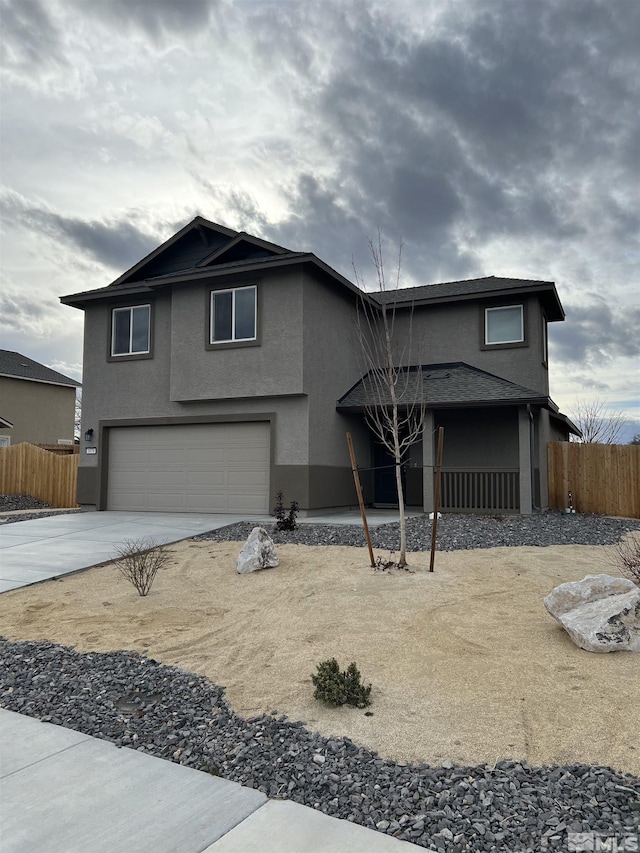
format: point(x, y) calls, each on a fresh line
point(258, 552)
point(600, 613)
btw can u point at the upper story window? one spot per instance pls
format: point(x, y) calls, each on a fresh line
point(504, 325)
point(131, 330)
point(233, 315)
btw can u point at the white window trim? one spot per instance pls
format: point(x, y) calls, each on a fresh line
point(519, 340)
point(113, 331)
point(5, 441)
point(233, 340)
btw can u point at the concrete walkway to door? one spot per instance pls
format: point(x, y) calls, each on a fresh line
point(43, 548)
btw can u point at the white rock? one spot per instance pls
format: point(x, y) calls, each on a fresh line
point(258, 552)
point(431, 515)
point(600, 613)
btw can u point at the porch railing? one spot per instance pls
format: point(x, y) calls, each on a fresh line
point(480, 490)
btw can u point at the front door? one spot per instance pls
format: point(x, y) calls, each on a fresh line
point(385, 490)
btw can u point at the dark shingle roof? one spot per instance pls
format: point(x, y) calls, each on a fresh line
point(456, 384)
point(18, 366)
point(488, 287)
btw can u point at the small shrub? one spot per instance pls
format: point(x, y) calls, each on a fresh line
point(626, 558)
point(139, 561)
point(285, 520)
point(340, 688)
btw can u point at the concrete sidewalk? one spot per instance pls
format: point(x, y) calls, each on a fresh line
point(65, 792)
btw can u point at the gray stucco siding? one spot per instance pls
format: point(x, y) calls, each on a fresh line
point(273, 366)
point(331, 366)
point(450, 333)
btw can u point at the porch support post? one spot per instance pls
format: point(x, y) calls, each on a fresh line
point(544, 437)
point(428, 461)
point(524, 447)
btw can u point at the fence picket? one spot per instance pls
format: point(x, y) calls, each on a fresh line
point(50, 477)
point(602, 478)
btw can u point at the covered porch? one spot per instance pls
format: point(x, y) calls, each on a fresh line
point(495, 445)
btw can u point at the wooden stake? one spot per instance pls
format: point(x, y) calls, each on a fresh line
point(356, 479)
point(436, 497)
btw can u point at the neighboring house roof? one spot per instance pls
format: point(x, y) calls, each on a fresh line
point(473, 288)
point(14, 365)
point(442, 385)
point(5, 424)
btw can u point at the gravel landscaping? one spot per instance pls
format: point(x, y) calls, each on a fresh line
point(455, 532)
point(165, 711)
point(136, 702)
point(20, 503)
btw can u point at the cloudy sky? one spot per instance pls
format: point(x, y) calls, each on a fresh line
point(493, 137)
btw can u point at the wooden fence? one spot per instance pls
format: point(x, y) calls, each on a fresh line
point(602, 478)
point(51, 477)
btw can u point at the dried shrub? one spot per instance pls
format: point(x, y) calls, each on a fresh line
point(285, 520)
point(340, 688)
point(139, 561)
point(626, 558)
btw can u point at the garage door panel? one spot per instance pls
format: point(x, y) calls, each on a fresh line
point(248, 478)
point(190, 468)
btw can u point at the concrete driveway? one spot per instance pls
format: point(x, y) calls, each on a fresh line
point(43, 548)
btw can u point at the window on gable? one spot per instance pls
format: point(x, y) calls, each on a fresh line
point(504, 325)
point(233, 315)
point(131, 330)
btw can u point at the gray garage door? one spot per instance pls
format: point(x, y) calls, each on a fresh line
point(190, 468)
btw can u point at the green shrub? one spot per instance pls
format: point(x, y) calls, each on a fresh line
point(285, 520)
point(340, 688)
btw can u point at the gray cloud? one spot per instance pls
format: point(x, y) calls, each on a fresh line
point(30, 39)
point(597, 332)
point(156, 19)
point(511, 120)
point(116, 244)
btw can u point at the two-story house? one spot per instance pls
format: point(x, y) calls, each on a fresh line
point(37, 403)
point(222, 368)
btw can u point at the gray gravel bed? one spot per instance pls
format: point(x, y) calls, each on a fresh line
point(11, 503)
point(136, 702)
point(455, 532)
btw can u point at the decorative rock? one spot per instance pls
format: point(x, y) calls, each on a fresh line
point(258, 552)
point(600, 613)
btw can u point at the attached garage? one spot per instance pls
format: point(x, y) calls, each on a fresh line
point(190, 468)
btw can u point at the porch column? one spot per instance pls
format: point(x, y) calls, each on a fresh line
point(428, 461)
point(544, 437)
point(524, 447)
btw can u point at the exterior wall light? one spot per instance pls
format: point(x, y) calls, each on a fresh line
point(88, 436)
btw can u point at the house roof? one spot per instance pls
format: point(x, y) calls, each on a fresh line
point(17, 366)
point(487, 287)
point(446, 385)
point(5, 424)
point(203, 250)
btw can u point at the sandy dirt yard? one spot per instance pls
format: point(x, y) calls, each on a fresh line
point(465, 663)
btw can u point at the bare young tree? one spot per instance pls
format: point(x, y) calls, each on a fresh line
point(597, 424)
point(77, 415)
point(395, 408)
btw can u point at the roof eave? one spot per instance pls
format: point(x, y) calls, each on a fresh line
point(492, 293)
point(458, 404)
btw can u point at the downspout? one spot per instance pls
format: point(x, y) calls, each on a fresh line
point(532, 458)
